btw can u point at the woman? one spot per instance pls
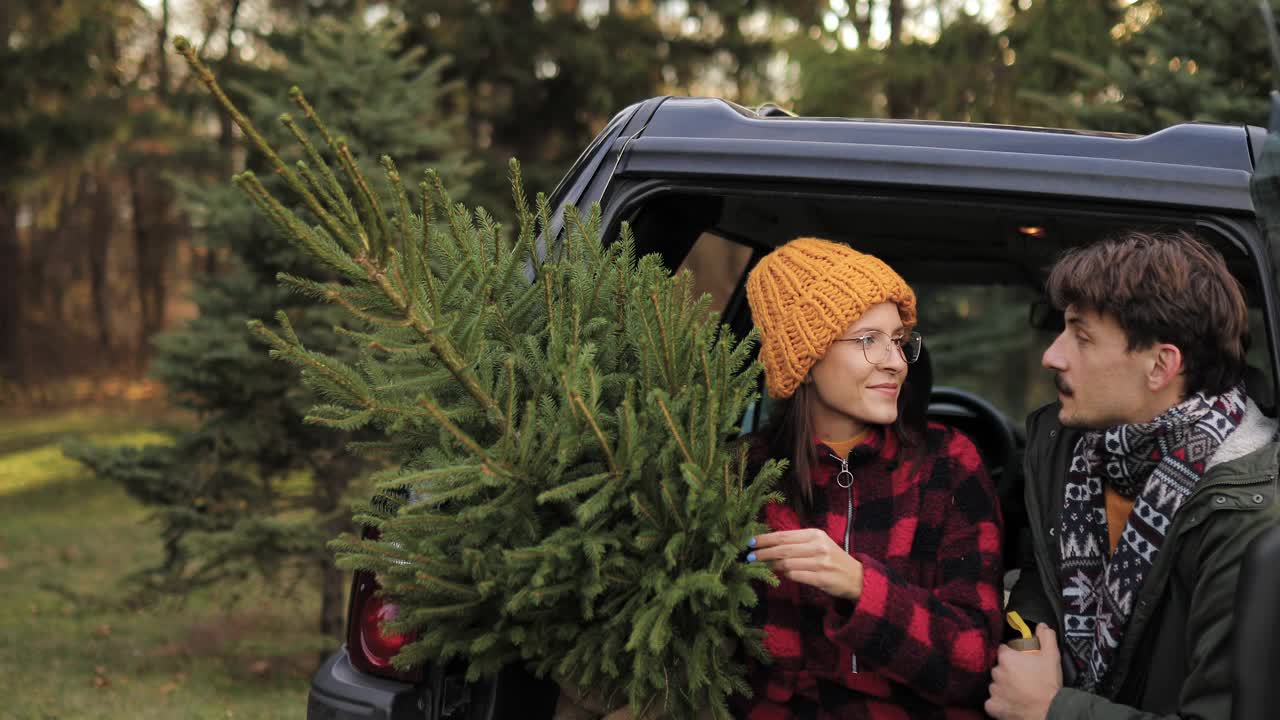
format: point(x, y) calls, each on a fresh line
point(888, 547)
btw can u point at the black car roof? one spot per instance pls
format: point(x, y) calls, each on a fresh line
point(1201, 165)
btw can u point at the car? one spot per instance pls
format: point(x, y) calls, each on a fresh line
point(971, 215)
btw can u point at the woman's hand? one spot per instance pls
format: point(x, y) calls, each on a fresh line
point(811, 557)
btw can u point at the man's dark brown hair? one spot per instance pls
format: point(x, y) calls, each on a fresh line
point(1165, 287)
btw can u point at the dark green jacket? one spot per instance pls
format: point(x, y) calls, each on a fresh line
point(1175, 657)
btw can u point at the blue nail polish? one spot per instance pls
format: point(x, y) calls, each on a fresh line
point(751, 542)
point(751, 557)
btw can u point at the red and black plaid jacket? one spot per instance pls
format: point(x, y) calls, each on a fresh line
point(923, 635)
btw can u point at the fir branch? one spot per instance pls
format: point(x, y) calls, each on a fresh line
point(712, 430)
point(572, 489)
point(572, 226)
point(672, 505)
point(407, 245)
point(637, 505)
point(331, 191)
point(595, 428)
point(378, 244)
point(490, 465)
point(572, 216)
point(333, 252)
point(537, 596)
point(424, 255)
point(665, 347)
point(287, 223)
point(490, 233)
point(207, 78)
point(439, 344)
point(544, 217)
point(675, 432)
point(309, 288)
point(348, 421)
point(317, 363)
point(299, 99)
point(314, 183)
point(526, 236)
point(340, 297)
point(510, 366)
point(373, 343)
point(451, 213)
point(286, 326)
point(401, 479)
point(552, 333)
point(448, 587)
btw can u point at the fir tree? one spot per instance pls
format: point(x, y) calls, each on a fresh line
point(253, 489)
point(1040, 39)
point(1174, 62)
point(568, 490)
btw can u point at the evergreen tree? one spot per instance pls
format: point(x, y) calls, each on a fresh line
point(970, 72)
point(253, 489)
point(1040, 36)
point(960, 76)
point(572, 66)
point(1174, 62)
point(567, 491)
point(67, 113)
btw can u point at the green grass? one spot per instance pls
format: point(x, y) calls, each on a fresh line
point(69, 648)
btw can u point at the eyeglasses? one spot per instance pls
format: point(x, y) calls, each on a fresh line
point(877, 345)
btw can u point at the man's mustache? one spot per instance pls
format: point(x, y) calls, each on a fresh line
point(1062, 386)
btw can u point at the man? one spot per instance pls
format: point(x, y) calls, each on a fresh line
point(1145, 484)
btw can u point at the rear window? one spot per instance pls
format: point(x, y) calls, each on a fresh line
point(977, 268)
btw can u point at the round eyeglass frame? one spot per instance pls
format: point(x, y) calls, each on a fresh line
point(909, 345)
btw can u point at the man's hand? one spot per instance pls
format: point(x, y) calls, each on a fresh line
point(1023, 684)
point(811, 557)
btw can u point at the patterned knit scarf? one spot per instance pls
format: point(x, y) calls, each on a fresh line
point(1158, 465)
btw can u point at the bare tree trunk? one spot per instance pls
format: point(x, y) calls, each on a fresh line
point(141, 241)
point(162, 57)
point(51, 263)
point(897, 12)
point(736, 44)
point(98, 240)
point(150, 209)
point(898, 105)
point(331, 482)
point(226, 137)
point(12, 365)
point(152, 205)
point(862, 22)
point(333, 612)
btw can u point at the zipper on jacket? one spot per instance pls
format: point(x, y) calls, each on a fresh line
point(845, 480)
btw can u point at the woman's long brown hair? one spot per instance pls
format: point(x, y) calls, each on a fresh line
point(790, 435)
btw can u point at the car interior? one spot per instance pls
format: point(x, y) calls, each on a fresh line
point(980, 373)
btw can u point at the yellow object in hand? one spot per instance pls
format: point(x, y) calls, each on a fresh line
point(1019, 624)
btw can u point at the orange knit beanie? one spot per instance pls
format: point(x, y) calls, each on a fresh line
point(805, 294)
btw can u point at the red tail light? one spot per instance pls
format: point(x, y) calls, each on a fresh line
point(375, 642)
point(369, 645)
